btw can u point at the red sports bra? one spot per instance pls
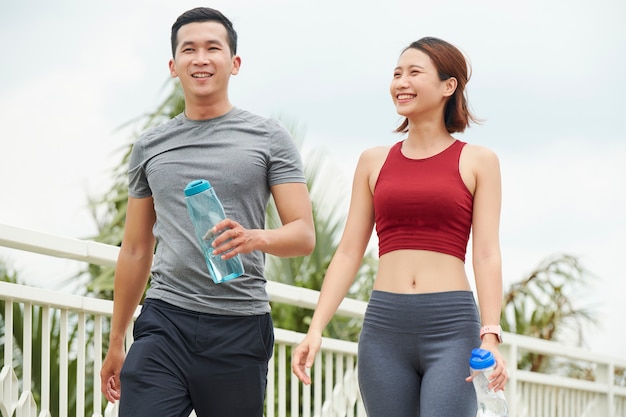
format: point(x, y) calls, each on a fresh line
point(423, 204)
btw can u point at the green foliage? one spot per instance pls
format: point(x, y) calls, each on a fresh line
point(542, 305)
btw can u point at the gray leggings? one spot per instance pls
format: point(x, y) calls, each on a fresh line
point(414, 353)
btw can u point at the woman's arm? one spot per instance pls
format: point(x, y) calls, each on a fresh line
point(343, 267)
point(487, 260)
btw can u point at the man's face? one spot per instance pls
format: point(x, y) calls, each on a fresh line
point(203, 61)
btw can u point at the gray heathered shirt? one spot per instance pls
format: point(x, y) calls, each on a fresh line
point(242, 155)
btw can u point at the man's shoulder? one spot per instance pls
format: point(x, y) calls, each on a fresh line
point(160, 129)
point(254, 119)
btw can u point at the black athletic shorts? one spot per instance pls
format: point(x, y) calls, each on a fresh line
point(182, 360)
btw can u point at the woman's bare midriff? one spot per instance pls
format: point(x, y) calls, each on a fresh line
point(418, 271)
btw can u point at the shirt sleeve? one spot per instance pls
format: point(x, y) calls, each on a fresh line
point(285, 159)
point(138, 186)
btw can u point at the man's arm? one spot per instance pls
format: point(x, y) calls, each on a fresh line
point(296, 236)
point(131, 276)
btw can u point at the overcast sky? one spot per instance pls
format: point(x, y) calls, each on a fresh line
point(547, 80)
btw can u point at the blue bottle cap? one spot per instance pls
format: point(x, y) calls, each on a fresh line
point(481, 359)
point(197, 186)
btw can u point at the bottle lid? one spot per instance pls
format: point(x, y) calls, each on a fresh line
point(197, 186)
point(481, 359)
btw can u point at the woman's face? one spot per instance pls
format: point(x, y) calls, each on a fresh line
point(416, 88)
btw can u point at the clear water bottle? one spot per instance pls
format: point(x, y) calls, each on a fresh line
point(205, 211)
point(490, 403)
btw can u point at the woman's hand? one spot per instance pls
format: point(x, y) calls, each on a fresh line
point(499, 376)
point(303, 357)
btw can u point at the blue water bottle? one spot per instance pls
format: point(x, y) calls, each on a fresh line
point(205, 211)
point(490, 402)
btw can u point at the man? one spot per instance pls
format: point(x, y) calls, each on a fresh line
point(200, 345)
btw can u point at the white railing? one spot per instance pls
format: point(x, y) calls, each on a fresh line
point(81, 317)
point(30, 314)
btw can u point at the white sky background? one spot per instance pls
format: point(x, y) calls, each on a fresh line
point(548, 80)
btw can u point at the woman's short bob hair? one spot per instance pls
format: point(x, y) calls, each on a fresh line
point(449, 62)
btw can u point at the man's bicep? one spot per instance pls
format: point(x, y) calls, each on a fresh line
point(140, 219)
point(293, 202)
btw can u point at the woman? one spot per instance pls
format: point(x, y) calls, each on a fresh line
point(424, 194)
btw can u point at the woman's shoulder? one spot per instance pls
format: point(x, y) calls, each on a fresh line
point(479, 153)
point(480, 159)
point(371, 162)
point(376, 152)
point(373, 158)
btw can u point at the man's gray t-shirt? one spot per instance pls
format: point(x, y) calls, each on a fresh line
point(242, 155)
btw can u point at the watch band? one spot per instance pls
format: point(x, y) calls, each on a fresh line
point(497, 330)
